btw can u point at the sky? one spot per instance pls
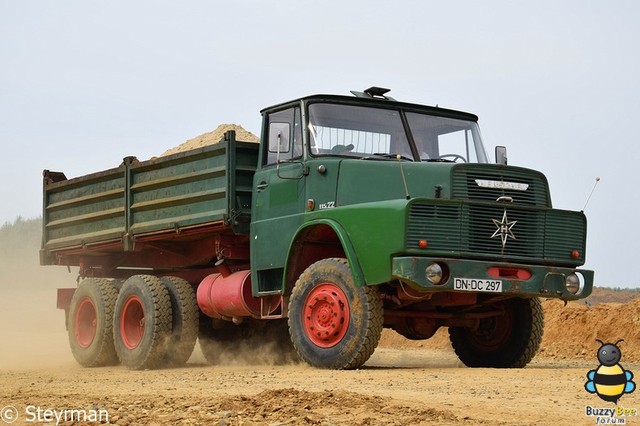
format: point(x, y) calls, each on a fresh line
point(85, 83)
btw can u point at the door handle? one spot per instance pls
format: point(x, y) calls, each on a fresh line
point(261, 186)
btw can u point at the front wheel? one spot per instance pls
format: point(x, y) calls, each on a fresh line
point(334, 324)
point(507, 341)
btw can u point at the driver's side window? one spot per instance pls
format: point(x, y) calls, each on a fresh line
point(284, 141)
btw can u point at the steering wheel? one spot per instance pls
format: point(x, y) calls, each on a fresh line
point(454, 157)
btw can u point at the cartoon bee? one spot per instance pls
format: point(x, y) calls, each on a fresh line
point(609, 381)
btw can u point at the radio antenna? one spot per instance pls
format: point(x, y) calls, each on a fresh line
point(591, 193)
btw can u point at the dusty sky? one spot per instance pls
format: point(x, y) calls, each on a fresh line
point(84, 84)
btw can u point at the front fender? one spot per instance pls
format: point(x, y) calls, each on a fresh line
point(345, 242)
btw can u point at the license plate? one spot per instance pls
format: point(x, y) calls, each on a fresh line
point(477, 284)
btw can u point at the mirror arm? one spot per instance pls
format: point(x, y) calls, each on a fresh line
point(278, 151)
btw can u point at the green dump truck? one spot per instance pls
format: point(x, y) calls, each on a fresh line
point(352, 214)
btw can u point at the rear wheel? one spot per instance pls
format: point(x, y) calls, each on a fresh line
point(507, 341)
point(142, 322)
point(333, 323)
point(185, 312)
point(90, 323)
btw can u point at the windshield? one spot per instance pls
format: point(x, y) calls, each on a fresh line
point(367, 132)
point(442, 138)
point(356, 131)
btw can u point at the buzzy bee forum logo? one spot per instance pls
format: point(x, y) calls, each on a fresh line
point(610, 381)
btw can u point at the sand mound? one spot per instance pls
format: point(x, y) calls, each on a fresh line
point(213, 138)
point(570, 331)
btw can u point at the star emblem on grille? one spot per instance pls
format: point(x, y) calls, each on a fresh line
point(504, 229)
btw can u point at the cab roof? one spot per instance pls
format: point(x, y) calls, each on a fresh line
point(376, 100)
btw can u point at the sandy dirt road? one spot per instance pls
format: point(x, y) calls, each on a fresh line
point(396, 387)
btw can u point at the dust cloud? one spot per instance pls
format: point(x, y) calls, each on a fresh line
point(32, 330)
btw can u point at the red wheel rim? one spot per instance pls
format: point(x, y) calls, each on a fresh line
point(325, 317)
point(132, 322)
point(85, 322)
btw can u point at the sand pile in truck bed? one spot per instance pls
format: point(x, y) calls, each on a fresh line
point(212, 138)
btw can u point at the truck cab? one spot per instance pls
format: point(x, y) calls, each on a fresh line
point(407, 196)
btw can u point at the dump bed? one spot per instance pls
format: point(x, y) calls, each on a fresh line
point(206, 189)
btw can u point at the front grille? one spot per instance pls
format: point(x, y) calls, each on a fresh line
point(465, 229)
point(527, 230)
point(565, 229)
point(480, 182)
point(440, 223)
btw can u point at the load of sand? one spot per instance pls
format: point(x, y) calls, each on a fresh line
point(213, 137)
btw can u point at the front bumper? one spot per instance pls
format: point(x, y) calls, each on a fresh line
point(517, 279)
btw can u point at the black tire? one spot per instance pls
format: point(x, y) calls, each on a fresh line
point(252, 341)
point(334, 324)
point(185, 314)
point(508, 341)
point(90, 323)
point(142, 322)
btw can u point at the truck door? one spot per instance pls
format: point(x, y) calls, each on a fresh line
point(279, 198)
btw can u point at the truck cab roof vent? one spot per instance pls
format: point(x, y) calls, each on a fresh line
point(374, 92)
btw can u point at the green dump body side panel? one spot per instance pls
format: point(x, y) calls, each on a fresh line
point(85, 210)
point(205, 186)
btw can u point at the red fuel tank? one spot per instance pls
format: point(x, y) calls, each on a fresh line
point(229, 296)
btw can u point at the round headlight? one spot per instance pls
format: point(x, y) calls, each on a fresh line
point(572, 283)
point(433, 272)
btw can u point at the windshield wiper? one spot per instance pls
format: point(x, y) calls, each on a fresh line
point(388, 155)
point(437, 160)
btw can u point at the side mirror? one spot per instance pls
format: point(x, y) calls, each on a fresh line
point(501, 155)
point(279, 137)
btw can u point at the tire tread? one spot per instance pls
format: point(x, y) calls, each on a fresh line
point(372, 313)
point(183, 335)
point(153, 352)
point(105, 353)
point(518, 352)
